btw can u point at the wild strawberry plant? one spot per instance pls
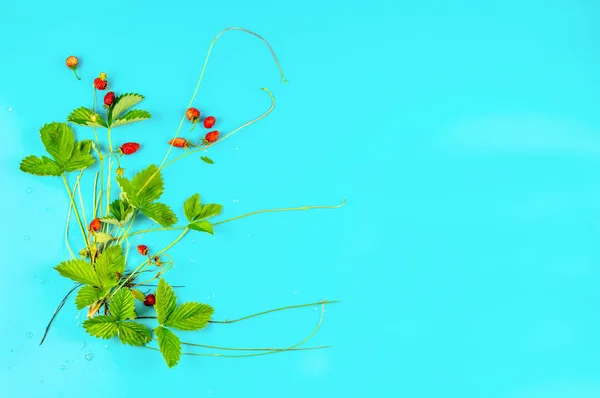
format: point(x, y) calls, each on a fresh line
point(109, 281)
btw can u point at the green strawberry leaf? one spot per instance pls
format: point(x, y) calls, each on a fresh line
point(209, 210)
point(190, 316)
point(166, 302)
point(110, 263)
point(160, 213)
point(138, 295)
point(88, 295)
point(136, 115)
point(40, 167)
point(103, 326)
point(122, 103)
point(59, 140)
point(120, 212)
point(122, 306)
point(81, 157)
point(192, 207)
point(134, 333)
point(146, 187)
point(83, 117)
point(169, 345)
point(78, 271)
point(207, 159)
point(202, 226)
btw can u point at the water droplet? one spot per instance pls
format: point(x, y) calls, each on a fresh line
point(248, 235)
point(236, 148)
point(235, 200)
point(192, 260)
point(33, 274)
point(106, 346)
point(42, 281)
point(29, 335)
point(194, 240)
point(295, 292)
point(10, 109)
point(83, 345)
point(29, 190)
point(41, 381)
point(67, 361)
point(89, 356)
point(62, 367)
point(26, 237)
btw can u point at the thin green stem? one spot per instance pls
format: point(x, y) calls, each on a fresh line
point(85, 239)
point(81, 198)
point(214, 347)
point(291, 348)
point(95, 197)
point(324, 302)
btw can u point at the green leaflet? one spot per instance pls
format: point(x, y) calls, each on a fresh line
point(78, 271)
point(109, 264)
point(192, 207)
point(165, 301)
point(160, 213)
point(207, 159)
point(122, 306)
point(83, 117)
point(146, 187)
point(136, 115)
point(138, 295)
point(169, 345)
point(103, 326)
point(122, 103)
point(202, 226)
point(40, 167)
point(80, 157)
point(133, 333)
point(59, 140)
point(102, 237)
point(120, 212)
point(88, 295)
point(190, 316)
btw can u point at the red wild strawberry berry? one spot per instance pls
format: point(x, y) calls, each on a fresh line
point(100, 84)
point(129, 147)
point(209, 122)
point(179, 142)
point(150, 300)
point(192, 114)
point(109, 99)
point(212, 136)
point(95, 225)
point(143, 250)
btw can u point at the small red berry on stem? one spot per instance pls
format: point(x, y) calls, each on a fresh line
point(179, 142)
point(193, 115)
point(129, 147)
point(100, 84)
point(142, 249)
point(150, 300)
point(95, 225)
point(209, 122)
point(212, 136)
point(72, 63)
point(109, 99)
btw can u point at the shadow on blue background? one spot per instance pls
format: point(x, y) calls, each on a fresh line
point(465, 136)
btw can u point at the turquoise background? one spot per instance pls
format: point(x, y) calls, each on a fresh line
point(465, 135)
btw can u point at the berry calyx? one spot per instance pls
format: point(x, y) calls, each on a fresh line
point(102, 75)
point(142, 249)
point(150, 300)
point(209, 122)
point(193, 115)
point(95, 225)
point(120, 171)
point(109, 99)
point(100, 84)
point(179, 142)
point(212, 136)
point(129, 147)
point(72, 63)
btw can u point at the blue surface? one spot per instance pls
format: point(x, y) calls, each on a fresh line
point(465, 136)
